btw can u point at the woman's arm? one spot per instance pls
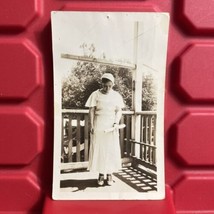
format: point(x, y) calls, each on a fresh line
point(118, 115)
point(91, 118)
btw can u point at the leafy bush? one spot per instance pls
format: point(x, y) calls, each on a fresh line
point(85, 78)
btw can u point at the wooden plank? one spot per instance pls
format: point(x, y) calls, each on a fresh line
point(138, 163)
point(84, 164)
point(154, 156)
point(74, 148)
point(75, 111)
point(144, 152)
point(128, 136)
point(142, 143)
point(86, 137)
point(149, 129)
point(97, 60)
point(62, 135)
point(141, 137)
point(74, 165)
point(146, 112)
point(126, 161)
point(127, 112)
point(86, 111)
point(70, 139)
point(122, 142)
point(132, 135)
point(78, 139)
point(149, 154)
point(152, 130)
point(155, 124)
point(146, 129)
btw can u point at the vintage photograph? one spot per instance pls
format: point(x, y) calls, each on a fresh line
point(109, 85)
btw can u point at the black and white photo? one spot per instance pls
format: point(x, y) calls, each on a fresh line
point(109, 81)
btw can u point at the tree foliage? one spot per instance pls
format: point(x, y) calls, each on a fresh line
point(85, 78)
point(149, 95)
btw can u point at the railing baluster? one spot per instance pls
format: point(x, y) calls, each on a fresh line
point(70, 139)
point(141, 137)
point(154, 156)
point(150, 129)
point(146, 139)
point(154, 130)
point(122, 138)
point(128, 135)
point(146, 129)
point(78, 139)
point(86, 131)
point(62, 138)
point(148, 154)
point(150, 136)
point(144, 152)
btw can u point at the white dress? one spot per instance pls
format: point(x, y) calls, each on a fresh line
point(104, 155)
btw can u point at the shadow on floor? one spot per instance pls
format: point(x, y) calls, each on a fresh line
point(138, 179)
point(79, 185)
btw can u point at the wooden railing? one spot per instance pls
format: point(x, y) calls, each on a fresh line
point(146, 146)
point(76, 137)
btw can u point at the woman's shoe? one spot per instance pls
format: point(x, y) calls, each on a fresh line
point(109, 179)
point(100, 180)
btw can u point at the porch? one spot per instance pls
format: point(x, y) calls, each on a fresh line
point(138, 156)
point(129, 179)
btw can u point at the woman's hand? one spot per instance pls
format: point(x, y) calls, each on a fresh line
point(92, 130)
point(116, 127)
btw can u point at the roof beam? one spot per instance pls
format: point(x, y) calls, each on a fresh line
point(100, 61)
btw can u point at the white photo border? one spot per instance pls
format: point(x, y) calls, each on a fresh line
point(158, 59)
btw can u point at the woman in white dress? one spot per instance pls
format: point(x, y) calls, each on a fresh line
point(105, 111)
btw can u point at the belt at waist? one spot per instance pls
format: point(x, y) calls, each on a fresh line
point(108, 113)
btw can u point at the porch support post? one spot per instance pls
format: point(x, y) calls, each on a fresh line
point(137, 91)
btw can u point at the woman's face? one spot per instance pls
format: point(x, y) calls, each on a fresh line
point(106, 87)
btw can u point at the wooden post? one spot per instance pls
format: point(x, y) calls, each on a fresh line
point(137, 93)
point(70, 139)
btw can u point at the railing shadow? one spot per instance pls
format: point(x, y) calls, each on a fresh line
point(138, 179)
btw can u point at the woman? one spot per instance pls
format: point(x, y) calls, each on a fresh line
point(105, 111)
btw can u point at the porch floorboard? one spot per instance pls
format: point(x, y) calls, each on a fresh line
point(128, 179)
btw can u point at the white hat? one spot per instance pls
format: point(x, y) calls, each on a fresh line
point(108, 76)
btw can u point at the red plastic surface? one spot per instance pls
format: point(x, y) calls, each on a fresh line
point(114, 207)
point(26, 108)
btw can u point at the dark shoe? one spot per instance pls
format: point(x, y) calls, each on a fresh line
point(100, 180)
point(109, 179)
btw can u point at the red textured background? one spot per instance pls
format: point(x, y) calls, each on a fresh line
point(26, 108)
